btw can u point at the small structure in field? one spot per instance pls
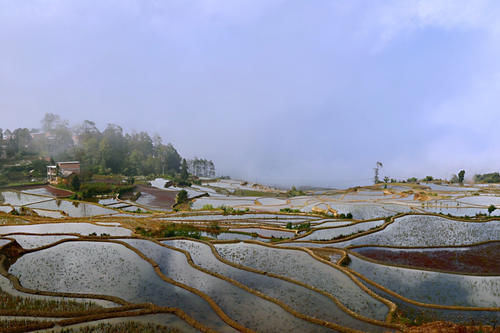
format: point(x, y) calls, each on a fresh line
point(62, 171)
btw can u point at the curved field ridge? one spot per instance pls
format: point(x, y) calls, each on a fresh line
point(298, 297)
point(67, 228)
point(337, 232)
point(432, 287)
point(107, 269)
point(416, 312)
point(394, 263)
point(426, 231)
point(15, 198)
point(73, 208)
point(301, 267)
point(477, 259)
point(244, 307)
point(32, 241)
point(266, 232)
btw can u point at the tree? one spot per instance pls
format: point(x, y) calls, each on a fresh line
point(75, 183)
point(461, 176)
point(493, 177)
point(19, 142)
point(113, 148)
point(172, 158)
point(51, 121)
point(181, 197)
point(184, 171)
point(201, 167)
point(491, 209)
point(378, 165)
point(40, 168)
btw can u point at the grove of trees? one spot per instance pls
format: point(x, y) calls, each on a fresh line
point(493, 177)
point(201, 167)
point(100, 152)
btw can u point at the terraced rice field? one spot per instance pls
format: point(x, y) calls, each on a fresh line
point(342, 231)
point(392, 264)
point(66, 228)
point(479, 259)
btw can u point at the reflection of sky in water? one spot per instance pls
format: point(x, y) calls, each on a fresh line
point(430, 314)
point(328, 234)
point(242, 306)
point(70, 228)
point(20, 199)
point(29, 242)
point(433, 287)
point(231, 236)
point(437, 187)
point(420, 231)
point(73, 208)
point(108, 269)
point(5, 209)
point(267, 232)
point(459, 211)
point(300, 266)
point(298, 297)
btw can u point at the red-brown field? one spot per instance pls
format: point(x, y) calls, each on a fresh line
point(162, 199)
point(57, 192)
point(482, 259)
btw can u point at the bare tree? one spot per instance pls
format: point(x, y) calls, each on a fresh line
point(376, 178)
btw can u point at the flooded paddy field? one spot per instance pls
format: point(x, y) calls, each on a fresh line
point(341, 231)
point(154, 197)
point(299, 297)
point(21, 199)
point(31, 242)
point(367, 259)
point(72, 209)
point(298, 265)
point(273, 233)
point(241, 305)
point(46, 190)
point(422, 231)
point(480, 259)
point(65, 228)
point(232, 236)
point(432, 287)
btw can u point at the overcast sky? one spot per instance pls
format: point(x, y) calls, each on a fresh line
point(276, 91)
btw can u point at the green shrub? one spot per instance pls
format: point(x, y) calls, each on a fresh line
point(181, 197)
point(300, 227)
point(293, 192)
point(491, 209)
point(290, 210)
point(75, 183)
point(90, 190)
point(487, 178)
point(171, 230)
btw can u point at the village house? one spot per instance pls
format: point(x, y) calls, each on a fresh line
point(62, 171)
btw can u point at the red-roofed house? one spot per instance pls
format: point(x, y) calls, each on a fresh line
point(62, 170)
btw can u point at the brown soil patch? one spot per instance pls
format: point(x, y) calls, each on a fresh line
point(162, 199)
point(12, 252)
point(57, 192)
point(446, 327)
point(421, 197)
point(482, 259)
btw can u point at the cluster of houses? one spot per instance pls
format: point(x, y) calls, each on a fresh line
point(62, 171)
